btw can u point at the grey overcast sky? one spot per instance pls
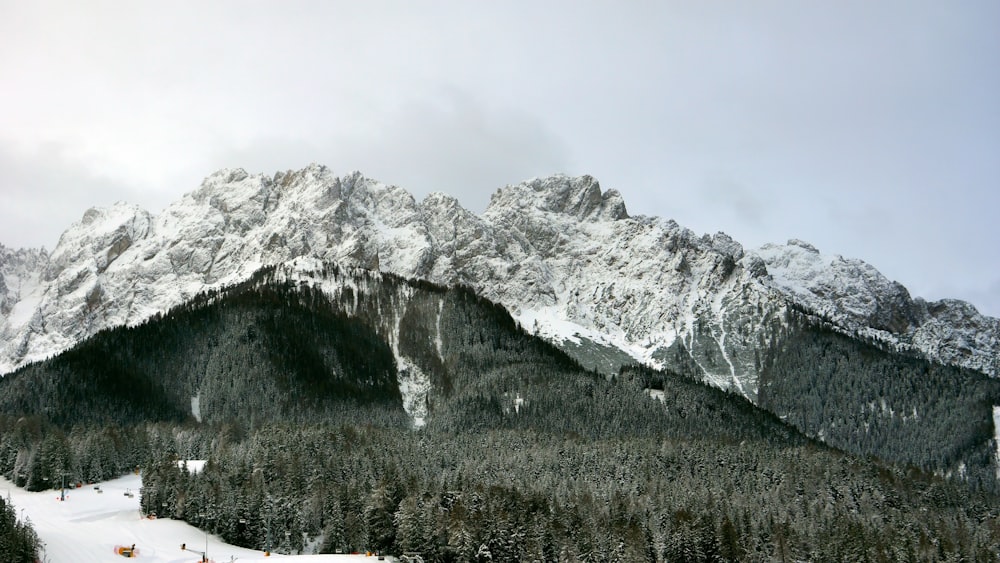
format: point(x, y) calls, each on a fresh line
point(870, 128)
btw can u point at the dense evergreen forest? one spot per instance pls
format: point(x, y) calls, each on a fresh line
point(18, 542)
point(858, 396)
point(525, 456)
point(534, 496)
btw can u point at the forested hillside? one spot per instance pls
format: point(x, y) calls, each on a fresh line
point(261, 353)
point(860, 397)
point(527, 495)
point(298, 390)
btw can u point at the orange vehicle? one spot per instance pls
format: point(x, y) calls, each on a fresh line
point(126, 551)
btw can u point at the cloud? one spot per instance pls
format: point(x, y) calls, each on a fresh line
point(453, 143)
point(458, 145)
point(735, 197)
point(989, 301)
point(45, 190)
point(984, 296)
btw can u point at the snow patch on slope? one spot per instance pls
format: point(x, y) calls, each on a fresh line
point(438, 342)
point(196, 406)
point(996, 438)
point(550, 323)
point(719, 334)
point(414, 386)
point(28, 290)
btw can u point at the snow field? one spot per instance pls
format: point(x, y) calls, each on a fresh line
point(88, 526)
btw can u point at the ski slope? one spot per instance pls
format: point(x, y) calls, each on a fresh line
point(88, 526)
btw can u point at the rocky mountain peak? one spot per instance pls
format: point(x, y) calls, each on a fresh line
point(724, 244)
point(11, 258)
point(579, 197)
point(803, 245)
point(559, 252)
point(440, 200)
point(837, 287)
point(100, 237)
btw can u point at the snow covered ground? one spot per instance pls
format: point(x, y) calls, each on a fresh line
point(88, 525)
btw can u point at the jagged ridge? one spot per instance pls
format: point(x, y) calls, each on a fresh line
point(562, 255)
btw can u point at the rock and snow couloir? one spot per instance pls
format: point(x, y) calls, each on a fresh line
point(561, 254)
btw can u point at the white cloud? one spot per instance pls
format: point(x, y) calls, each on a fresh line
point(870, 129)
point(45, 190)
point(452, 143)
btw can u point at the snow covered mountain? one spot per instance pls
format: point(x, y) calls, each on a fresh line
point(561, 254)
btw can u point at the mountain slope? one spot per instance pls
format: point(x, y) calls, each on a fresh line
point(520, 443)
point(255, 352)
point(860, 300)
point(563, 255)
point(305, 342)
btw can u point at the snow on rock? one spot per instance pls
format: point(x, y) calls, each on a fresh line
point(850, 290)
point(22, 286)
point(858, 298)
point(563, 255)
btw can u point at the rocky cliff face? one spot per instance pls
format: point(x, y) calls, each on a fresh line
point(21, 289)
point(561, 254)
point(861, 301)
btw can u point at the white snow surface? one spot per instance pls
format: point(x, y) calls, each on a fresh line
point(414, 386)
point(192, 465)
point(551, 324)
point(88, 526)
point(21, 287)
point(996, 437)
point(196, 407)
point(556, 250)
point(29, 291)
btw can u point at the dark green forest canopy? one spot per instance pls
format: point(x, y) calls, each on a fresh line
point(525, 454)
point(18, 541)
point(861, 397)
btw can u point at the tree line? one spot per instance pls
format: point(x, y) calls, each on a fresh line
point(18, 541)
point(526, 455)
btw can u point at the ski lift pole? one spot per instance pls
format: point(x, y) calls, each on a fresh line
point(267, 529)
point(205, 556)
point(267, 535)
